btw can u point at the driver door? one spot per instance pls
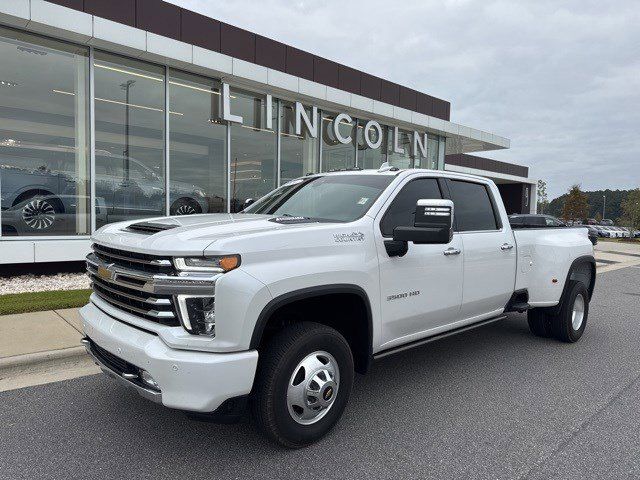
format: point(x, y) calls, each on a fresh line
point(422, 290)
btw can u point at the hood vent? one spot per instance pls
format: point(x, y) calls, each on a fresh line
point(149, 228)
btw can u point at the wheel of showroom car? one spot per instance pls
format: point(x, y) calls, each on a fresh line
point(569, 324)
point(539, 323)
point(302, 384)
point(40, 214)
point(185, 206)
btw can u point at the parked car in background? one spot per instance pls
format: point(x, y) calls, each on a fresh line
point(591, 221)
point(525, 220)
point(602, 231)
point(606, 222)
point(43, 190)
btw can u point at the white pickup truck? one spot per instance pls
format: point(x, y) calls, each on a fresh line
point(275, 308)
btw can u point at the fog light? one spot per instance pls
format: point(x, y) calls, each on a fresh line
point(148, 380)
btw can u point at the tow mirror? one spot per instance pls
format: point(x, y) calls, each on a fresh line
point(433, 224)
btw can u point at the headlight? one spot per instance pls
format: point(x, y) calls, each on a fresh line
point(200, 193)
point(197, 314)
point(216, 264)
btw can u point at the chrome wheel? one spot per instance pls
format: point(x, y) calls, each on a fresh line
point(577, 315)
point(185, 209)
point(38, 214)
point(313, 387)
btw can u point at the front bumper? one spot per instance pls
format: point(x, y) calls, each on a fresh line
point(187, 380)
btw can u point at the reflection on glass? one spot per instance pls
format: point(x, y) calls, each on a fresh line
point(336, 155)
point(253, 149)
point(198, 170)
point(298, 153)
point(369, 158)
point(129, 117)
point(431, 160)
point(405, 140)
point(44, 163)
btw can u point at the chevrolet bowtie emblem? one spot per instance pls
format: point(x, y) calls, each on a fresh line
point(105, 272)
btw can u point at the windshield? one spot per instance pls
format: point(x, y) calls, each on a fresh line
point(331, 198)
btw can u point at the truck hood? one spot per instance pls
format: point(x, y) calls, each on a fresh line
point(191, 234)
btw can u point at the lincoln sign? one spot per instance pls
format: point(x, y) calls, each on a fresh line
point(419, 142)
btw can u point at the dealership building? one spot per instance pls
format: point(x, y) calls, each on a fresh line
point(119, 109)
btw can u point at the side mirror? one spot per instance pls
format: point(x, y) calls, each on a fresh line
point(247, 202)
point(433, 224)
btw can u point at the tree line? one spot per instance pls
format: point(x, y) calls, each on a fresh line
point(621, 206)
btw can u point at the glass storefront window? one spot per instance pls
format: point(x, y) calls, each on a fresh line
point(369, 158)
point(252, 149)
point(298, 153)
point(197, 139)
point(336, 155)
point(129, 117)
point(405, 141)
point(431, 160)
point(44, 131)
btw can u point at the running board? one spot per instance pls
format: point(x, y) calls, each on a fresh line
point(433, 338)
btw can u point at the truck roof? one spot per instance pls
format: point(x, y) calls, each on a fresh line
point(401, 171)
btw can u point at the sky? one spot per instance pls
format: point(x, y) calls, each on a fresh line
point(561, 79)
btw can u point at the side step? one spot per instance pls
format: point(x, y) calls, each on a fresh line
point(433, 338)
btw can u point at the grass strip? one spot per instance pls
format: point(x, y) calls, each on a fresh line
point(41, 301)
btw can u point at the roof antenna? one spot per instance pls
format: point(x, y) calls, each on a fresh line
point(385, 167)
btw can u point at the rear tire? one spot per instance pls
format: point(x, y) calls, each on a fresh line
point(297, 362)
point(539, 323)
point(569, 323)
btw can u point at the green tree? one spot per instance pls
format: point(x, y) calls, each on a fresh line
point(598, 217)
point(575, 204)
point(631, 209)
point(543, 201)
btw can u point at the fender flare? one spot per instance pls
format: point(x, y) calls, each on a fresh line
point(588, 259)
point(310, 292)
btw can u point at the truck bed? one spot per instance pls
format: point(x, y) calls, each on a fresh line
point(544, 258)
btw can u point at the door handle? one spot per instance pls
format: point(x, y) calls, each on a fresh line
point(452, 251)
point(506, 246)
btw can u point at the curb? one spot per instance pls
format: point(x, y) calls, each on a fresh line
point(42, 358)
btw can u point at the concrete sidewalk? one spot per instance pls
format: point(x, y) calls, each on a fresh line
point(41, 347)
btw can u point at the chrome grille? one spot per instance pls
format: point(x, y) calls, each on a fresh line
point(125, 281)
point(133, 260)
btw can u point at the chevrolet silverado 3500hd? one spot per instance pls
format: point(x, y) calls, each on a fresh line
point(276, 307)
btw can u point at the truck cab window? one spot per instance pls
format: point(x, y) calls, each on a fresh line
point(473, 209)
point(402, 210)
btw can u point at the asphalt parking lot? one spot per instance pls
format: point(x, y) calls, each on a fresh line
point(491, 403)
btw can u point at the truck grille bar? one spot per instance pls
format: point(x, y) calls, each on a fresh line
point(143, 285)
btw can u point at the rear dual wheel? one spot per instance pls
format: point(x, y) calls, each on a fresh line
point(570, 320)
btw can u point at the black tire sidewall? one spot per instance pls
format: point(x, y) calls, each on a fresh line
point(563, 322)
point(293, 432)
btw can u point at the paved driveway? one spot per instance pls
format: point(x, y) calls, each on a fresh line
point(491, 403)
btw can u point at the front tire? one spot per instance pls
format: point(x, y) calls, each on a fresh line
point(303, 383)
point(569, 323)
